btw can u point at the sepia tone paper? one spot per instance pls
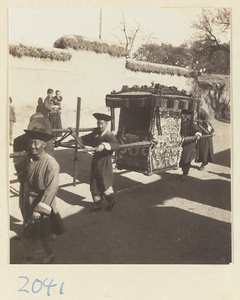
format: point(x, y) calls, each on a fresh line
point(122, 281)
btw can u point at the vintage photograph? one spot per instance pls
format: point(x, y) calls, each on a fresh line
point(120, 136)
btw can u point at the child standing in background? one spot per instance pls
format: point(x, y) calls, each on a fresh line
point(58, 99)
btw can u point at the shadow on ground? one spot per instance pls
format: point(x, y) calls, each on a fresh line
point(138, 231)
point(223, 158)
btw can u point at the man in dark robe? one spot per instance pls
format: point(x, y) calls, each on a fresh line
point(205, 145)
point(39, 179)
point(188, 128)
point(101, 178)
point(41, 108)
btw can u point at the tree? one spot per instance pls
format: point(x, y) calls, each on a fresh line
point(208, 45)
point(128, 34)
point(210, 26)
point(164, 54)
point(207, 50)
point(223, 19)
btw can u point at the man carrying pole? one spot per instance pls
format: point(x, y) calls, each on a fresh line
point(101, 178)
point(188, 128)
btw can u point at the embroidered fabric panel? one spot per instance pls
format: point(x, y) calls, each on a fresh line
point(133, 158)
point(166, 127)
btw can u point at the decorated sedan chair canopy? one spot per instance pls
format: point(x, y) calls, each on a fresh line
point(151, 118)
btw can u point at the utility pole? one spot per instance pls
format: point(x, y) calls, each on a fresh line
point(100, 25)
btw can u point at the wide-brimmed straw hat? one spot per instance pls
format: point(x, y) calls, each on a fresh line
point(39, 129)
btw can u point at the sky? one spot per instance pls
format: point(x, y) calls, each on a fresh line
point(43, 26)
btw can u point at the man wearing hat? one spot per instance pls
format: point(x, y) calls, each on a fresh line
point(40, 174)
point(188, 128)
point(101, 178)
point(21, 143)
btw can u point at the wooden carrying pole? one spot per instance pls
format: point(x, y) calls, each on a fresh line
point(194, 138)
point(123, 146)
point(76, 142)
point(112, 119)
point(69, 129)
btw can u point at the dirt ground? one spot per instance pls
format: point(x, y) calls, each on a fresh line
point(157, 219)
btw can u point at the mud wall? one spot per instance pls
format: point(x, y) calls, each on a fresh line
point(87, 75)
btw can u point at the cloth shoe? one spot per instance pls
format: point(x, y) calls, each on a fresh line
point(202, 166)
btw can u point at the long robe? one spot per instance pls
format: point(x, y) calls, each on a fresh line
point(12, 120)
point(39, 187)
point(205, 145)
point(41, 108)
point(101, 178)
point(188, 153)
point(54, 115)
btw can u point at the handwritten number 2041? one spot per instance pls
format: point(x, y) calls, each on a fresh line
point(38, 284)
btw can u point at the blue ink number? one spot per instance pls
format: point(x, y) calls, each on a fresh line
point(38, 284)
point(48, 286)
point(21, 289)
point(33, 285)
point(61, 292)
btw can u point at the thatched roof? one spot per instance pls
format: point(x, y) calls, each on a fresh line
point(141, 66)
point(80, 43)
point(20, 50)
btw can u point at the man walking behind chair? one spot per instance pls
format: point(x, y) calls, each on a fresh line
point(188, 128)
point(101, 178)
point(40, 174)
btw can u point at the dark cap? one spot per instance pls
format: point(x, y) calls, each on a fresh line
point(203, 115)
point(39, 129)
point(104, 117)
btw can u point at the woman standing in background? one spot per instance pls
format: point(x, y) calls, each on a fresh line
point(53, 105)
point(12, 119)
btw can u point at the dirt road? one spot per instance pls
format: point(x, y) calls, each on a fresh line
point(157, 219)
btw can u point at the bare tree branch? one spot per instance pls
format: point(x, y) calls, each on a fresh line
point(208, 25)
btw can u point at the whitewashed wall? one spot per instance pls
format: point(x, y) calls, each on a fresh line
point(87, 75)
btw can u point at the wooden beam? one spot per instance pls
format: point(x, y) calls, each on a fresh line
point(112, 119)
point(76, 143)
point(77, 139)
point(193, 138)
point(123, 146)
point(17, 154)
point(69, 129)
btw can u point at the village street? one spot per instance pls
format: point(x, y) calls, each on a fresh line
point(157, 219)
